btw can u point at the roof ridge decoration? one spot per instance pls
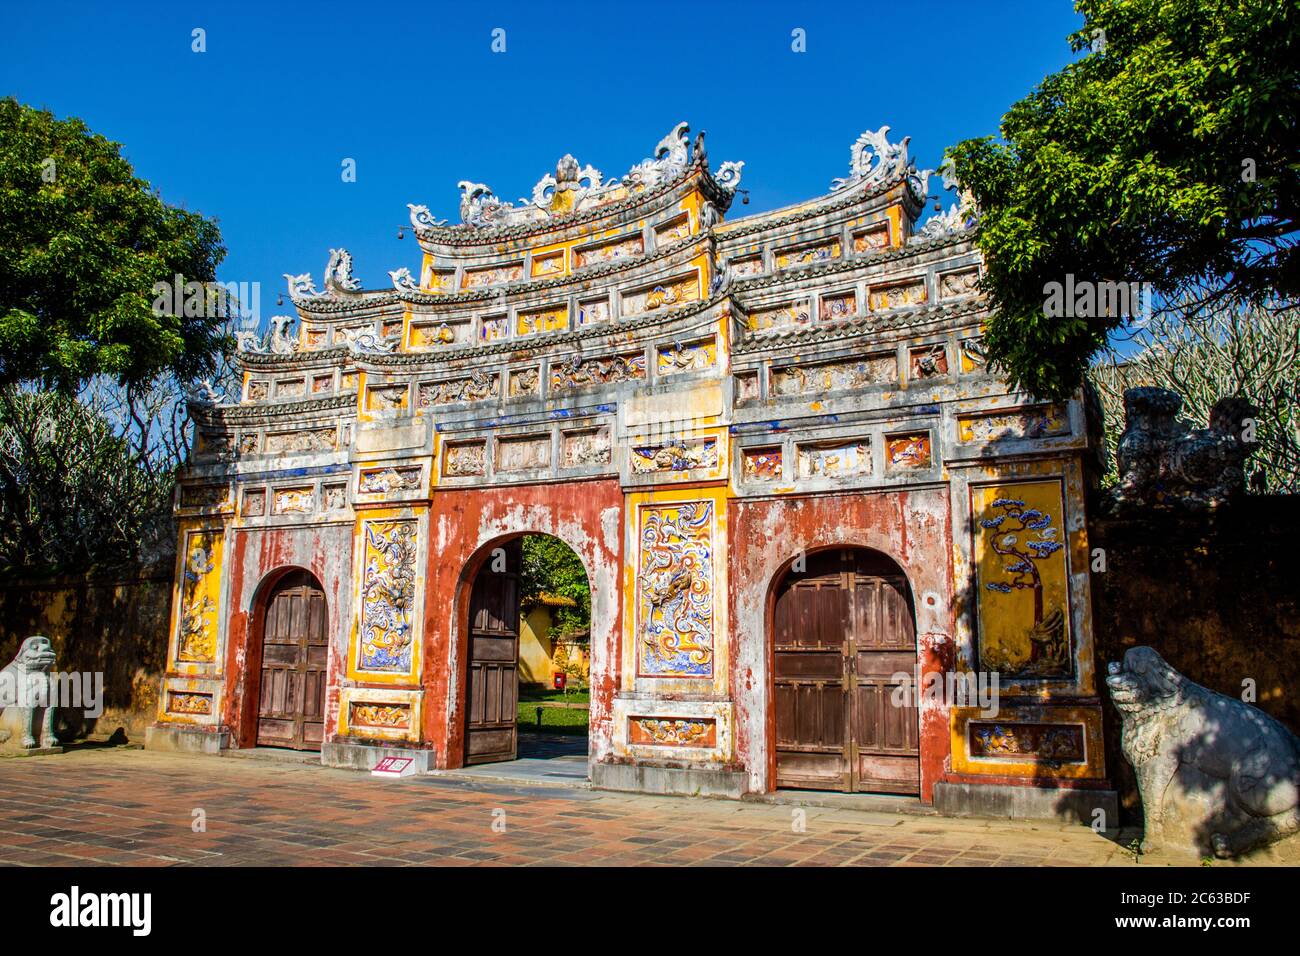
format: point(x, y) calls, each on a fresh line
point(339, 280)
point(277, 340)
point(961, 215)
point(572, 188)
point(873, 159)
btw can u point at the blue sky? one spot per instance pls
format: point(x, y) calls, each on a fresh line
point(254, 131)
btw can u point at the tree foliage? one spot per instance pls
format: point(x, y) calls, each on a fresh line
point(551, 567)
point(82, 243)
point(74, 495)
point(1210, 354)
point(1168, 154)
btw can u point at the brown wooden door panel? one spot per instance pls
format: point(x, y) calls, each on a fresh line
point(492, 674)
point(295, 654)
point(842, 633)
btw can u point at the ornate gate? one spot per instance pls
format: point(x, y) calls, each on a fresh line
point(492, 685)
point(291, 701)
point(842, 631)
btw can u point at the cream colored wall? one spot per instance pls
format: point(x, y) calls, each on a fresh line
point(535, 647)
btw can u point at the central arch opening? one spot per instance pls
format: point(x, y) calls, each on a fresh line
point(529, 654)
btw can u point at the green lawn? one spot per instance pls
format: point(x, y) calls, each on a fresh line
point(549, 695)
point(555, 720)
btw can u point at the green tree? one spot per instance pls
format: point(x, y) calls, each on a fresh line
point(74, 495)
point(1169, 154)
point(551, 567)
point(82, 243)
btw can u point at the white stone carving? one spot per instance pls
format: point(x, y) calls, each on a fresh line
point(403, 281)
point(360, 341)
point(303, 287)
point(338, 273)
point(421, 218)
point(873, 159)
point(1216, 775)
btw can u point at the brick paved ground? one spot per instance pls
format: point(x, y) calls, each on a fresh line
point(132, 807)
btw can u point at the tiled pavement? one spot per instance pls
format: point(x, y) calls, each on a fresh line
point(132, 807)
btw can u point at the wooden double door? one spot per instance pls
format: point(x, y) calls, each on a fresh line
point(843, 630)
point(492, 681)
point(295, 650)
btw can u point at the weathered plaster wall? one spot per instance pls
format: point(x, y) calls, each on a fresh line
point(117, 627)
point(1218, 597)
point(464, 525)
point(256, 556)
point(911, 527)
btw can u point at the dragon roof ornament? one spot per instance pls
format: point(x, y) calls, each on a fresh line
point(572, 187)
point(961, 215)
point(338, 279)
point(873, 159)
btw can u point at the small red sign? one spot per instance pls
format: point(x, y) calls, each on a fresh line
point(559, 680)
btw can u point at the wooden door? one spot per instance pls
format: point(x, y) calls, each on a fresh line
point(492, 683)
point(291, 701)
point(842, 630)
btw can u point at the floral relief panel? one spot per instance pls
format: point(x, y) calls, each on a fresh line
point(1022, 582)
point(196, 638)
point(386, 631)
point(674, 610)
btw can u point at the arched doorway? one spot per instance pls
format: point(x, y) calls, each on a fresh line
point(528, 655)
point(843, 627)
point(293, 666)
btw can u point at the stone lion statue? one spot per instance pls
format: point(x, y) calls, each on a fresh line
point(25, 691)
point(1216, 775)
point(1164, 461)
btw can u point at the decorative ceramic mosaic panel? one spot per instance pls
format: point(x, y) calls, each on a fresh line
point(1050, 743)
point(1042, 421)
point(897, 295)
point(593, 311)
point(674, 456)
point(1021, 579)
point(806, 255)
point(526, 453)
point(927, 361)
point(493, 275)
point(463, 459)
point(687, 356)
point(791, 313)
point(384, 481)
point(871, 239)
point(196, 638)
point(907, 452)
point(293, 501)
point(389, 716)
point(672, 731)
point(674, 608)
point(963, 282)
point(549, 319)
point(877, 369)
point(551, 264)
point(843, 306)
point(835, 460)
point(666, 296)
point(621, 248)
point(189, 704)
point(386, 631)
point(579, 372)
point(761, 464)
point(588, 447)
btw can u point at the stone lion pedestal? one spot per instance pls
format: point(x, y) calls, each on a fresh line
point(26, 701)
point(1217, 776)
